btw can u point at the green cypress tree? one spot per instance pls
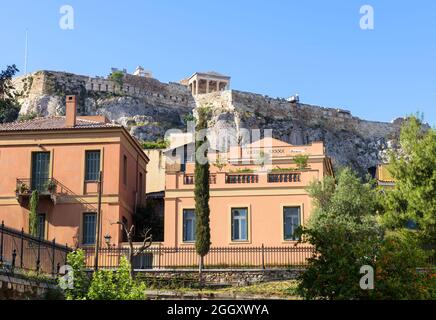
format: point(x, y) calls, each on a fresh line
point(33, 214)
point(201, 191)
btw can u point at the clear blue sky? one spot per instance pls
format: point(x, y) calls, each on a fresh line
point(278, 48)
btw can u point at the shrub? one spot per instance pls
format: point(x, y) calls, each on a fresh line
point(397, 276)
point(115, 285)
point(159, 144)
point(301, 161)
point(76, 260)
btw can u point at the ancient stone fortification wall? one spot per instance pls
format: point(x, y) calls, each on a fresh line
point(53, 83)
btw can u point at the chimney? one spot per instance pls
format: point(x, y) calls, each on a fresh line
point(70, 111)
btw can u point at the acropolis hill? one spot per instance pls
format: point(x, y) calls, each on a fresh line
point(148, 107)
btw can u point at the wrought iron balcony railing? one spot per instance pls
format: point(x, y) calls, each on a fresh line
point(45, 186)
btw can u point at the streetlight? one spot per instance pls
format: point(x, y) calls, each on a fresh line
point(107, 239)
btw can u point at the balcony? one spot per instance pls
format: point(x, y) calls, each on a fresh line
point(47, 189)
point(236, 178)
point(188, 179)
point(284, 177)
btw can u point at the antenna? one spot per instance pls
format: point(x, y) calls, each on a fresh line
point(25, 53)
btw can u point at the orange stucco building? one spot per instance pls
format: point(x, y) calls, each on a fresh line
point(61, 157)
point(250, 204)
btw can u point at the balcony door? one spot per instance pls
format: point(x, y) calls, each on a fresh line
point(40, 170)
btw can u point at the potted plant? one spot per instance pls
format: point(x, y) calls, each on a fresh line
point(51, 186)
point(22, 188)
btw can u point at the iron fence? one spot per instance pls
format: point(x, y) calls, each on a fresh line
point(21, 250)
point(160, 257)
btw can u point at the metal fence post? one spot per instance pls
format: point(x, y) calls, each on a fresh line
point(1, 241)
point(66, 253)
point(22, 248)
point(159, 254)
point(263, 257)
point(14, 256)
point(53, 257)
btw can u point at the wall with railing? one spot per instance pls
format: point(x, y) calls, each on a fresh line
point(181, 180)
point(160, 257)
point(19, 250)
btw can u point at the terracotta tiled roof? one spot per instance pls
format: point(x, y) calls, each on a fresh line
point(53, 123)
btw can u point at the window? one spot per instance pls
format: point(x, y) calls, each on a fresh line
point(239, 224)
point(291, 218)
point(40, 231)
point(92, 165)
point(89, 228)
point(40, 170)
point(188, 225)
point(125, 170)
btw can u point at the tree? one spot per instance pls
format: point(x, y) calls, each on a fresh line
point(9, 107)
point(146, 243)
point(33, 213)
point(345, 235)
point(413, 199)
point(117, 77)
point(201, 191)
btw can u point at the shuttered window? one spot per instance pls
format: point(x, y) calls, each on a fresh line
point(89, 228)
point(92, 165)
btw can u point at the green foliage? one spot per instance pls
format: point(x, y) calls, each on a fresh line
point(117, 77)
point(301, 161)
point(29, 116)
point(189, 117)
point(243, 170)
point(9, 107)
point(76, 260)
point(414, 196)
point(159, 144)
point(33, 213)
point(396, 271)
point(345, 236)
point(201, 191)
point(219, 162)
point(115, 285)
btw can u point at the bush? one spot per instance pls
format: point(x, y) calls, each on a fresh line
point(115, 285)
point(301, 161)
point(159, 144)
point(397, 276)
point(76, 260)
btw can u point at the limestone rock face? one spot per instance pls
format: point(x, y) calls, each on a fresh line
point(148, 108)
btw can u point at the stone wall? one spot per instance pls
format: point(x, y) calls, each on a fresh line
point(16, 287)
point(228, 277)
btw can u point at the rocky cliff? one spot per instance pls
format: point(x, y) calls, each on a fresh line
point(148, 108)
